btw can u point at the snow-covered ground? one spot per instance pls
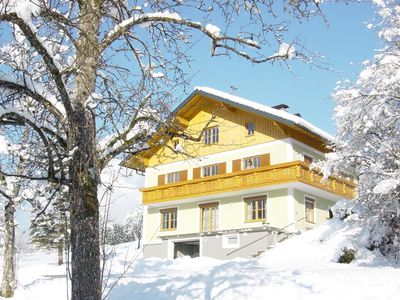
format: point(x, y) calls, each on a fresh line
point(303, 267)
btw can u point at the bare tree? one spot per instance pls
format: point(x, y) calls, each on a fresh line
point(8, 276)
point(10, 195)
point(103, 74)
point(134, 224)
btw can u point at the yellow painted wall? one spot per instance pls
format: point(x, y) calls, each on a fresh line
point(321, 209)
point(231, 215)
point(232, 132)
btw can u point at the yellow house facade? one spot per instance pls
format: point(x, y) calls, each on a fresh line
point(236, 182)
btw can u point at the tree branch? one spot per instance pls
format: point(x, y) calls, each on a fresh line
point(122, 28)
point(44, 53)
point(25, 120)
point(34, 95)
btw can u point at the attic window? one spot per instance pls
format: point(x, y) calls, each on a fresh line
point(211, 135)
point(250, 127)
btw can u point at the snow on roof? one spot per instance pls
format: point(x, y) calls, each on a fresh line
point(248, 105)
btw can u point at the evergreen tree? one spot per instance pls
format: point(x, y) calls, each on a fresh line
point(49, 228)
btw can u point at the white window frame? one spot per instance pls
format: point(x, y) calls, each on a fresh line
point(211, 135)
point(210, 170)
point(225, 241)
point(175, 176)
point(253, 159)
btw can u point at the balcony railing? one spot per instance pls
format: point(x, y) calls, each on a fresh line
point(296, 171)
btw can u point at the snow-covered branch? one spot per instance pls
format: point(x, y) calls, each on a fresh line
point(24, 118)
point(34, 91)
point(173, 18)
point(44, 52)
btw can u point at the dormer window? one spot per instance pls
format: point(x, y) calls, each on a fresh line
point(211, 135)
point(250, 127)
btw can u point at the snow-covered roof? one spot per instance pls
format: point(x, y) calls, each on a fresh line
point(260, 109)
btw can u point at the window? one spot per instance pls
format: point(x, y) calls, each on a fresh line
point(256, 208)
point(230, 241)
point(210, 170)
point(251, 162)
point(250, 127)
point(173, 177)
point(169, 219)
point(209, 216)
point(308, 159)
point(309, 205)
point(211, 136)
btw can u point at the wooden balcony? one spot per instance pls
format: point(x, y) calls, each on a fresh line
point(296, 171)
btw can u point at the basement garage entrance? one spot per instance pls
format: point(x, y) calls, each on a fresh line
point(187, 248)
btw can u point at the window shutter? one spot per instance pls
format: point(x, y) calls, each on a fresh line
point(222, 168)
point(265, 160)
point(161, 179)
point(196, 173)
point(183, 175)
point(236, 165)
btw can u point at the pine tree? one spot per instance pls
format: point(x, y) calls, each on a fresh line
point(49, 229)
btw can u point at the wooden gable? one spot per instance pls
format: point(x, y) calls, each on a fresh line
point(201, 111)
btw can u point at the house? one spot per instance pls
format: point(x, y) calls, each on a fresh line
point(238, 187)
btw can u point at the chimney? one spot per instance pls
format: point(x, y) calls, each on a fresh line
point(281, 107)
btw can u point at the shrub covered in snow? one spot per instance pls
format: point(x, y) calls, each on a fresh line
point(347, 256)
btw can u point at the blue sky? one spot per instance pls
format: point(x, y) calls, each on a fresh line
point(345, 41)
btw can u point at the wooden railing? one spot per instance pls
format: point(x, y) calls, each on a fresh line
point(296, 171)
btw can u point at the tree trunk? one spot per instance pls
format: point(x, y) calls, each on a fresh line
point(85, 251)
point(8, 281)
point(84, 171)
point(84, 212)
point(60, 252)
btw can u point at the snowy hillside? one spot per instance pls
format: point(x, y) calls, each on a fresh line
point(302, 267)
